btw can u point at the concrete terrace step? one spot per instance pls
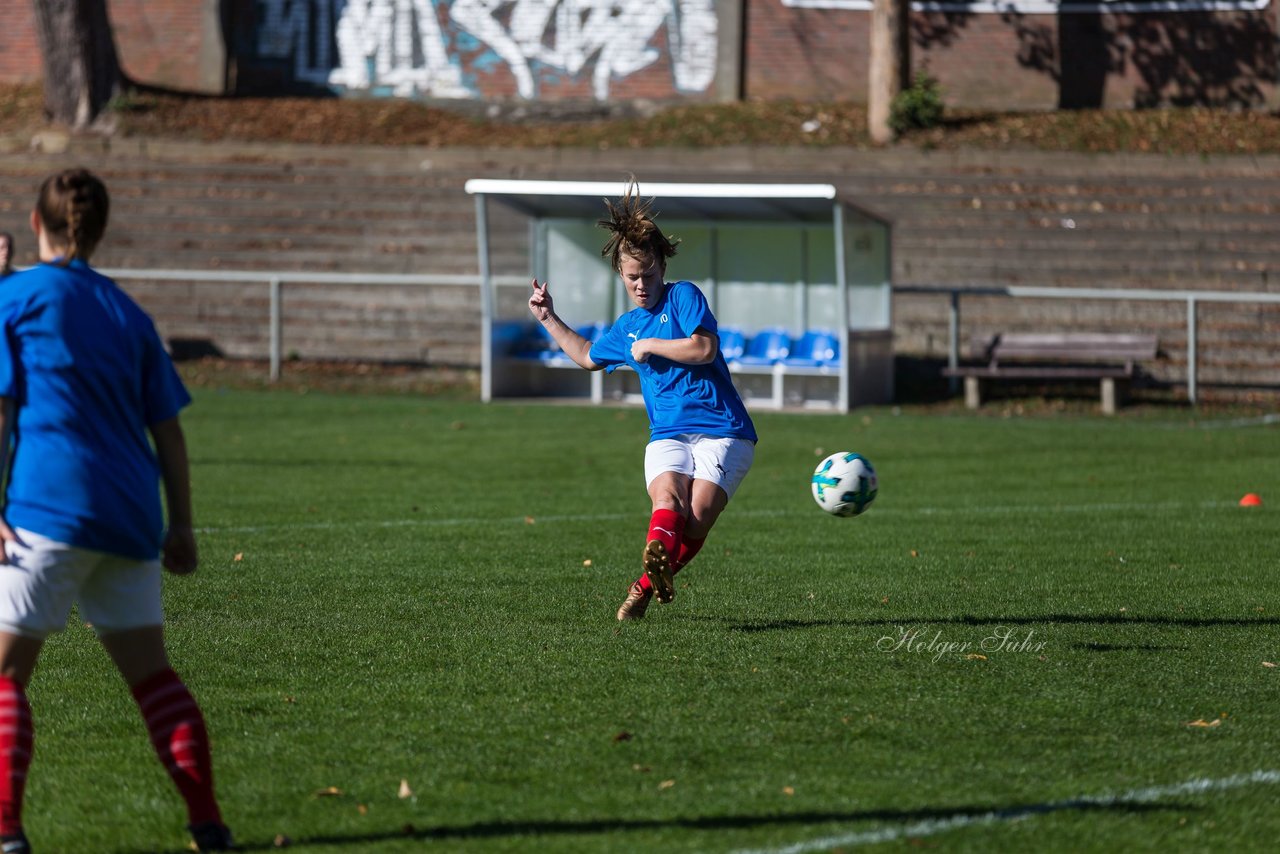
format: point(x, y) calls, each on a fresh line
point(963, 218)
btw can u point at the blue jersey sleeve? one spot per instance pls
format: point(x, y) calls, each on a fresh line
point(691, 309)
point(612, 349)
point(11, 347)
point(165, 395)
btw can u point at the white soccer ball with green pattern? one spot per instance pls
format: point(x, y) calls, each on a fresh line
point(845, 484)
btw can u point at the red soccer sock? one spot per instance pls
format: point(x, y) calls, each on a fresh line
point(17, 738)
point(667, 527)
point(688, 548)
point(181, 741)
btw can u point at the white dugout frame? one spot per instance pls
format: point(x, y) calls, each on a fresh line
point(832, 269)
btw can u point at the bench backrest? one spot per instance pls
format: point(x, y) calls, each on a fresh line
point(1068, 346)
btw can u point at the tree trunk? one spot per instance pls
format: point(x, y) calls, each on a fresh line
point(890, 63)
point(81, 68)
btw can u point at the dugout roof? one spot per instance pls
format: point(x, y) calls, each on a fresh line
point(581, 199)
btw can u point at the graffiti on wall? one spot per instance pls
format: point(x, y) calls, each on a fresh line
point(413, 47)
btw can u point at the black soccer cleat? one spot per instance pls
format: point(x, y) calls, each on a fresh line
point(211, 836)
point(15, 843)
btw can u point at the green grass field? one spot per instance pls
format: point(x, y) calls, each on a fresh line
point(1009, 651)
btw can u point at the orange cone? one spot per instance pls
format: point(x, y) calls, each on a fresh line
point(1251, 500)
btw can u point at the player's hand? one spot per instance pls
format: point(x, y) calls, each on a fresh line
point(6, 536)
point(640, 350)
point(179, 549)
point(540, 301)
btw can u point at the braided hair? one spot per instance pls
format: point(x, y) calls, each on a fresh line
point(634, 233)
point(73, 207)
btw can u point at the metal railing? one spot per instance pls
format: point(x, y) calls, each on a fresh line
point(275, 282)
point(1190, 298)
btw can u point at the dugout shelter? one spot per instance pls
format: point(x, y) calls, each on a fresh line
point(799, 280)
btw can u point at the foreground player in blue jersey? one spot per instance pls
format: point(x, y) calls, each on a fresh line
point(84, 380)
point(701, 439)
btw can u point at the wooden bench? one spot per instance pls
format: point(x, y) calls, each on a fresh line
point(1106, 357)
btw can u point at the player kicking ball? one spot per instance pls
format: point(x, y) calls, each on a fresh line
point(701, 439)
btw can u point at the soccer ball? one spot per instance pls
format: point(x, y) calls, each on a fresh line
point(844, 484)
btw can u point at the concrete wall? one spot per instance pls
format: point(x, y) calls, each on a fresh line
point(1024, 55)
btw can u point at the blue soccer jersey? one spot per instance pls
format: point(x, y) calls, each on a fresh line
point(679, 398)
point(88, 374)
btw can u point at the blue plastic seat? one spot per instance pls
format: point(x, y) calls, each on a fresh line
point(817, 348)
point(593, 331)
point(536, 343)
point(589, 331)
point(768, 347)
point(732, 343)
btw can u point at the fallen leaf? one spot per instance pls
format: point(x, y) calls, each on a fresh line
point(974, 656)
point(1268, 664)
point(915, 553)
point(788, 791)
point(1203, 723)
point(528, 520)
point(239, 556)
point(405, 791)
point(281, 841)
point(666, 784)
point(587, 562)
point(643, 769)
point(330, 792)
point(362, 809)
point(622, 736)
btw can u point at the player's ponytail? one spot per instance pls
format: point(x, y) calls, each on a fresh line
point(73, 206)
point(634, 234)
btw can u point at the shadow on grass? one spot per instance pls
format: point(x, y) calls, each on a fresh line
point(1125, 647)
point(930, 820)
point(971, 620)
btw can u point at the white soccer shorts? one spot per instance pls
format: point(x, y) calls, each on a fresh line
point(724, 462)
point(41, 579)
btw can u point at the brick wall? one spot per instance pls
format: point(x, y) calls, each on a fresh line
point(487, 51)
point(1015, 62)
point(176, 44)
point(19, 48)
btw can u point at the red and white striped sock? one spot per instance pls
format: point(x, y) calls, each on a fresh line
point(181, 741)
point(17, 739)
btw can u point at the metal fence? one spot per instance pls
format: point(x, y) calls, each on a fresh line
point(276, 281)
point(1191, 299)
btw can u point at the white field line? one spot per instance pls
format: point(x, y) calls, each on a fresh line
point(993, 510)
point(932, 827)
point(1239, 423)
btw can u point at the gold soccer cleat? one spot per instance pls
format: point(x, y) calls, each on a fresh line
point(636, 603)
point(658, 567)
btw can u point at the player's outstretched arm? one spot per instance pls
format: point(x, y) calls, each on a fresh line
point(179, 549)
point(574, 345)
